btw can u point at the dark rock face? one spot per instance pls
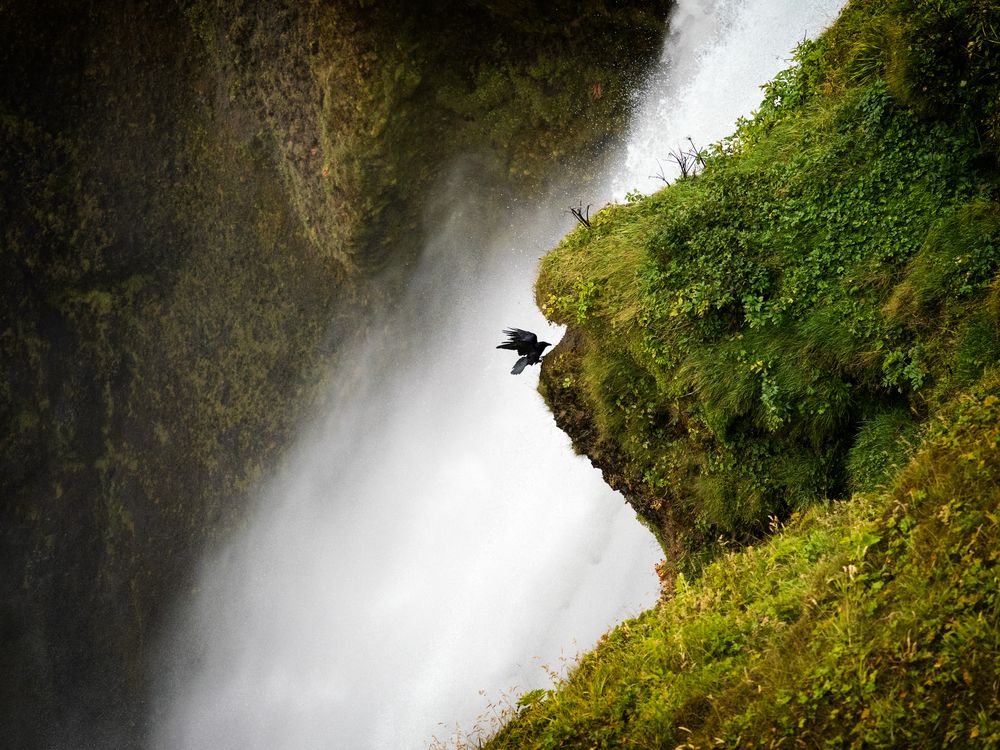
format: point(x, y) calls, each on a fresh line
point(153, 346)
point(194, 197)
point(560, 370)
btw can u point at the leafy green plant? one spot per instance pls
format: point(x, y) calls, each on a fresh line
point(775, 298)
point(871, 623)
point(793, 372)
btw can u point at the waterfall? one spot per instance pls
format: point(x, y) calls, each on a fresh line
point(433, 541)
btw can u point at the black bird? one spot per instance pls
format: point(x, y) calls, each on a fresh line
point(527, 345)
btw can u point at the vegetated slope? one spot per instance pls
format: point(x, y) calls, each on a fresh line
point(814, 317)
point(194, 196)
point(869, 624)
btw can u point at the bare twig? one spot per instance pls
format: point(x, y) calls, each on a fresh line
point(580, 216)
point(659, 175)
point(683, 161)
point(689, 162)
point(697, 154)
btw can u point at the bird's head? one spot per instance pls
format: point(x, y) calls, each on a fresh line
point(544, 345)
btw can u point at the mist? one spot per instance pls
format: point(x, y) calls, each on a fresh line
point(432, 542)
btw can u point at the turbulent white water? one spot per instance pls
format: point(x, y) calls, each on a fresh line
point(434, 535)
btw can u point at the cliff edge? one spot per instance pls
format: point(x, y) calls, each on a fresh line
point(788, 361)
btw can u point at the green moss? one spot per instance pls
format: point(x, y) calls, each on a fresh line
point(872, 624)
point(978, 348)
point(752, 317)
point(809, 330)
point(958, 259)
point(880, 448)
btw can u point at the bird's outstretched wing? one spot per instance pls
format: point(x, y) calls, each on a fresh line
point(523, 342)
point(527, 345)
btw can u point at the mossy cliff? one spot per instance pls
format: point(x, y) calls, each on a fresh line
point(195, 196)
point(790, 365)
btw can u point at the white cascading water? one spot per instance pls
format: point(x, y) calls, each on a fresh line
point(433, 541)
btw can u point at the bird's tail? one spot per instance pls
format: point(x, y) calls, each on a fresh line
point(520, 365)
